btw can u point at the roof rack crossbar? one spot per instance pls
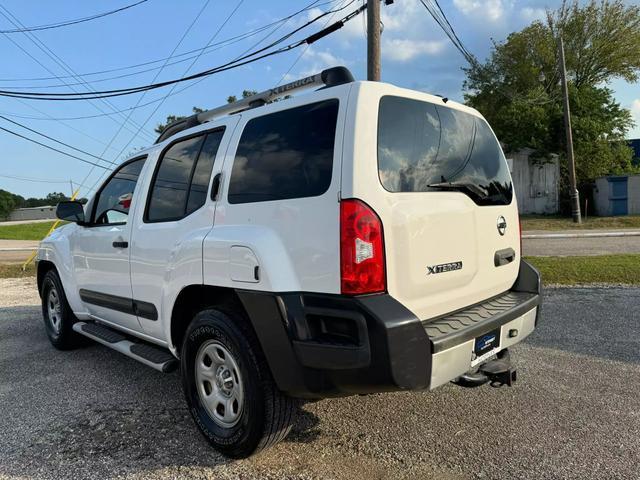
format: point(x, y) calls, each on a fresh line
point(327, 78)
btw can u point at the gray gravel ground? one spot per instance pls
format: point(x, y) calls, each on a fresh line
point(574, 412)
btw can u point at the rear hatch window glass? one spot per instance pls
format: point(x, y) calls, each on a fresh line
point(425, 147)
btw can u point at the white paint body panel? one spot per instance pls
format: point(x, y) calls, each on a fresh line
point(427, 228)
point(295, 242)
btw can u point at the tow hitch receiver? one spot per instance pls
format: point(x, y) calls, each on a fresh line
point(497, 372)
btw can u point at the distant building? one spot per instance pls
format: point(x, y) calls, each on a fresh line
point(34, 213)
point(617, 195)
point(535, 181)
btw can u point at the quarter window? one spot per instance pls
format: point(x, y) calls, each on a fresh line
point(114, 200)
point(287, 154)
point(182, 178)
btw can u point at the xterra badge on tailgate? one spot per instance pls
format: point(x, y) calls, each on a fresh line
point(445, 267)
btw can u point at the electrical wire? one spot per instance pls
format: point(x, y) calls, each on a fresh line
point(207, 49)
point(38, 180)
point(47, 51)
point(54, 139)
point(66, 23)
point(227, 66)
point(216, 33)
point(304, 50)
point(50, 147)
point(440, 18)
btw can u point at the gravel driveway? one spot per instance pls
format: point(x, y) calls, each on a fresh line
point(574, 412)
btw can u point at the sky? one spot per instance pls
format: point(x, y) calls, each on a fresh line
point(415, 54)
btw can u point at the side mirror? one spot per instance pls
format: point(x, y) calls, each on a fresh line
point(70, 211)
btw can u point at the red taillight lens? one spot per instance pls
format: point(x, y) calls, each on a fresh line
point(361, 249)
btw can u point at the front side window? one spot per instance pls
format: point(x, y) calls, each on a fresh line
point(114, 200)
point(426, 147)
point(286, 154)
point(182, 178)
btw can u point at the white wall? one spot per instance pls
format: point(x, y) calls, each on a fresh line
point(535, 183)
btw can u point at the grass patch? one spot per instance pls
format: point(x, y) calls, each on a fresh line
point(552, 222)
point(26, 231)
point(623, 269)
point(14, 270)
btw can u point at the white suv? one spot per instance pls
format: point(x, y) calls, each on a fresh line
point(360, 238)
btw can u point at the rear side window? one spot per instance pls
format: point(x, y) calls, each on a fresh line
point(421, 145)
point(180, 184)
point(287, 154)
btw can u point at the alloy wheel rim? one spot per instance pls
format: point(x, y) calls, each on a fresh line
point(219, 383)
point(54, 309)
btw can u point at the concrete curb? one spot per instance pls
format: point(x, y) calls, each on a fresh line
point(18, 249)
point(582, 235)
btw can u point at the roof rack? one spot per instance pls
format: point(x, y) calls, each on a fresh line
point(327, 78)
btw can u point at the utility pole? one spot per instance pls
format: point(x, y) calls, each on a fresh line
point(373, 40)
point(573, 193)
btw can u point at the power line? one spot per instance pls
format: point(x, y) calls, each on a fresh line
point(304, 50)
point(185, 72)
point(207, 49)
point(139, 129)
point(440, 18)
point(50, 147)
point(39, 180)
point(227, 66)
point(71, 22)
point(47, 51)
point(54, 139)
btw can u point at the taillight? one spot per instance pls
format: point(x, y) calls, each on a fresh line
point(361, 249)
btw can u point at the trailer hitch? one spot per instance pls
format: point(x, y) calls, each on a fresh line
point(496, 372)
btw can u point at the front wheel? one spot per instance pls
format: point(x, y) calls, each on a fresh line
point(229, 388)
point(57, 315)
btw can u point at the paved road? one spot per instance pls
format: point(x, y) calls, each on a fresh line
point(579, 246)
point(14, 251)
point(574, 413)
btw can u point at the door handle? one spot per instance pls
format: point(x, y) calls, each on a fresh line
point(120, 244)
point(504, 257)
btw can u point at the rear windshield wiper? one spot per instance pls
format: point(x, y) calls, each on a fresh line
point(469, 187)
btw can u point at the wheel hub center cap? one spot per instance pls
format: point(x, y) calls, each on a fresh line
point(224, 380)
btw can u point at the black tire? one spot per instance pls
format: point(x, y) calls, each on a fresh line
point(266, 414)
point(60, 331)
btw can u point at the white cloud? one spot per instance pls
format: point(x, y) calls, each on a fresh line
point(404, 50)
point(530, 14)
point(492, 10)
point(316, 61)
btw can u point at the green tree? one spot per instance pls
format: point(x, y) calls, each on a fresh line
point(517, 88)
point(7, 203)
point(173, 118)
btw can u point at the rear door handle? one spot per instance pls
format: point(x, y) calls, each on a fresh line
point(120, 244)
point(504, 257)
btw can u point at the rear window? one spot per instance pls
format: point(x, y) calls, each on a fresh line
point(425, 147)
point(287, 154)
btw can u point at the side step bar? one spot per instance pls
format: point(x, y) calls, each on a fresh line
point(151, 356)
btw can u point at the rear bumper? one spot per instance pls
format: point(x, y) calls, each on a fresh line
point(329, 345)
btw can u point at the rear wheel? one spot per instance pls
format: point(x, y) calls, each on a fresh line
point(228, 386)
point(57, 315)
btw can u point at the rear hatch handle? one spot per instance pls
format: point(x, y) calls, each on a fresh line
point(504, 257)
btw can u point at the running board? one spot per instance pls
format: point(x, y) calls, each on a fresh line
point(151, 356)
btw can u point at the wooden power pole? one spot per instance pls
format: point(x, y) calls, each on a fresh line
point(373, 40)
point(573, 189)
